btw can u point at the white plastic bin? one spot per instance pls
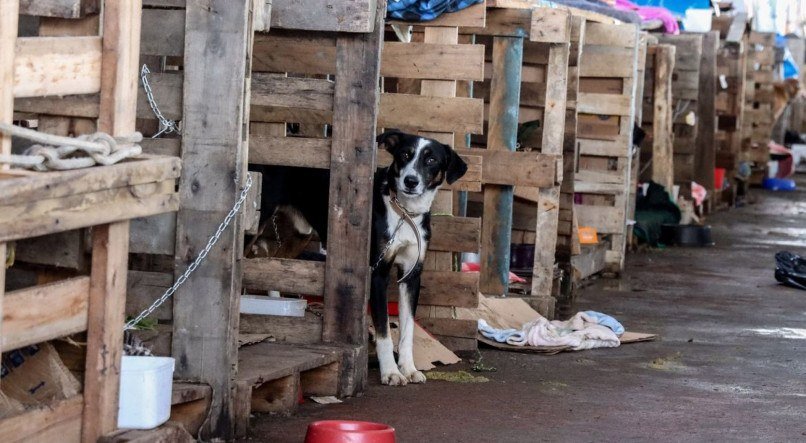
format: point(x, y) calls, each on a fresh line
point(263, 305)
point(145, 392)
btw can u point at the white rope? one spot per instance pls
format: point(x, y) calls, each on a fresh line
point(54, 152)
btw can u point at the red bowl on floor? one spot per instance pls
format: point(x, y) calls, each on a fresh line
point(346, 431)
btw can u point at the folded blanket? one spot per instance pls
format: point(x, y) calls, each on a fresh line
point(582, 331)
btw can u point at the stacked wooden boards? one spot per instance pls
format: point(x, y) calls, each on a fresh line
point(730, 109)
point(685, 95)
point(759, 97)
point(74, 64)
point(426, 91)
point(657, 152)
point(606, 112)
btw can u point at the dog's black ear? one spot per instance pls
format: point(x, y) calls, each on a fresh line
point(456, 166)
point(390, 139)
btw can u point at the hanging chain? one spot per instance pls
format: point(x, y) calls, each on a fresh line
point(199, 259)
point(166, 126)
point(388, 244)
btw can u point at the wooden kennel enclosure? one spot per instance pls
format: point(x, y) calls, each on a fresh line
point(759, 101)
point(68, 63)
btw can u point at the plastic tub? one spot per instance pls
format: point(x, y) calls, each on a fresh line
point(262, 305)
point(697, 20)
point(686, 235)
point(145, 392)
point(779, 184)
point(346, 431)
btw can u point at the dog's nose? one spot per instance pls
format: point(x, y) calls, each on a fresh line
point(410, 181)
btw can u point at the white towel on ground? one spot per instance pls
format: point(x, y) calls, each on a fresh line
point(580, 332)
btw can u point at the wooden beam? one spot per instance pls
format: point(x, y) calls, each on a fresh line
point(110, 243)
point(41, 313)
point(662, 155)
point(58, 421)
point(284, 275)
point(60, 8)
point(433, 114)
point(455, 234)
point(205, 327)
point(352, 168)
point(433, 61)
point(705, 153)
point(516, 168)
point(502, 136)
point(57, 66)
point(324, 15)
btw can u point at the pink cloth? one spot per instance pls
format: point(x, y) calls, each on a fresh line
point(651, 13)
point(475, 267)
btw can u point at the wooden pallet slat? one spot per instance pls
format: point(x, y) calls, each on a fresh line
point(79, 59)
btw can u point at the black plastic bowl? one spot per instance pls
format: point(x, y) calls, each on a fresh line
point(686, 235)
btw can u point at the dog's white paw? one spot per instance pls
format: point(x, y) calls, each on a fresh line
point(415, 377)
point(394, 378)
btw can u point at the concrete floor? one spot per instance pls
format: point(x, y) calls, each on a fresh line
point(729, 366)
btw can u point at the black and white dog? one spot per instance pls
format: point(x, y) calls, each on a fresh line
point(401, 229)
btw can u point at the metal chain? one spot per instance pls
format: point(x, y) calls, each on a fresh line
point(199, 259)
point(388, 245)
point(166, 126)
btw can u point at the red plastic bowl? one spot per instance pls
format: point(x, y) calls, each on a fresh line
point(346, 431)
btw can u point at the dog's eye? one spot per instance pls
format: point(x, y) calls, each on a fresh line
point(430, 161)
point(405, 156)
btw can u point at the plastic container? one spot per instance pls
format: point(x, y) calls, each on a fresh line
point(686, 235)
point(346, 431)
point(697, 20)
point(719, 178)
point(779, 184)
point(263, 305)
point(145, 391)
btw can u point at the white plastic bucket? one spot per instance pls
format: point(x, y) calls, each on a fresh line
point(697, 20)
point(263, 305)
point(145, 392)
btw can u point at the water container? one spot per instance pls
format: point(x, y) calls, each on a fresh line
point(263, 305)
point(145, 392)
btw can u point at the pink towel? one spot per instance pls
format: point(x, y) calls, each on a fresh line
point(651, 13)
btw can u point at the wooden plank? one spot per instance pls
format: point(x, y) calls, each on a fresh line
point(449, 327)
point(41, 313)
point(445, 288)
point(9, 21)
point(502, 136)
point(163, 32)
point(167, 90)
point(704, 154)
point(607, 104)
point(548, 205)
point(327, 15)
point(606, 220)
point(351, 170)
point(437, 114)
point(625, 36)
point(60, 8)
point(516, 168)
point(57, 66)
point(600, 61)
point(504, 22)
point(106, 312)
point(433, 61)
point(303, 53)
point(217, 47)
point(290, 151)
point(662, 158)
point(455, 234)
point(288, 92)
point(59, 27)
point(284, 275)
point(68, 106)
point(59, 421)
point(110, 243)
point(550, 25)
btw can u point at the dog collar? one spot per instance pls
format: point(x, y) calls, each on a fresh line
point(407, 217)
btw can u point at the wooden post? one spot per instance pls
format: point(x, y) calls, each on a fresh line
point(704, 155)
point(107, 298)
point(662, 153)
point(351, 176)
point(548, 203)
point(9, 13)
point(496, 225)
point(205, 317)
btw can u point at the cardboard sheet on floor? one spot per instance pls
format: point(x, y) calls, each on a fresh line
point(427, 349)
point(509, 312)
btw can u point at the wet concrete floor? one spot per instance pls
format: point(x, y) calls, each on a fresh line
point(729, 365)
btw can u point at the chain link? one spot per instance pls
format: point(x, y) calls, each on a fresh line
point(388, 245)
point(199, 259)
point(166, 126)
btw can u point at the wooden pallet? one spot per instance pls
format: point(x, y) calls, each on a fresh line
point(759, 97)
point(606, 106)
point(658, 110)
point(273, 377)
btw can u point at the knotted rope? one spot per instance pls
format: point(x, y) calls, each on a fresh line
point(53, 152)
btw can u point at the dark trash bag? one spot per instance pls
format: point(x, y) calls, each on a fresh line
point(790, 269)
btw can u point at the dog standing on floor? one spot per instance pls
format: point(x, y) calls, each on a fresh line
point(401, 214)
